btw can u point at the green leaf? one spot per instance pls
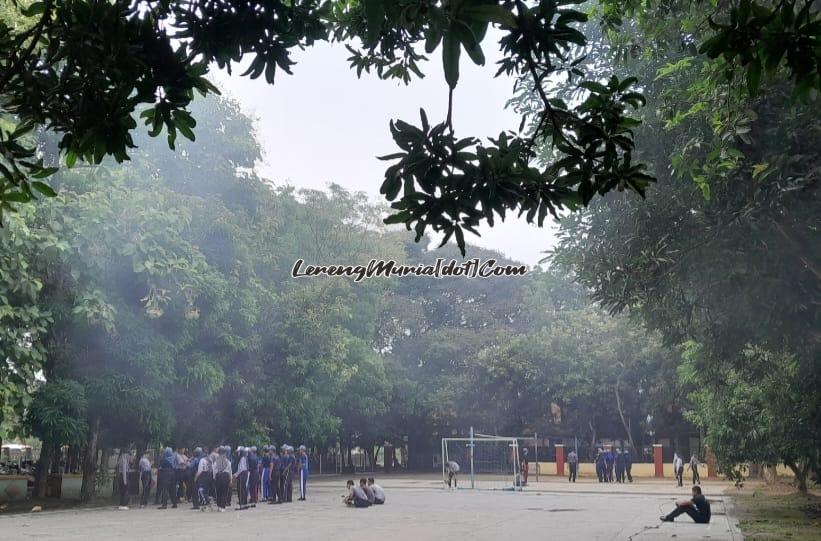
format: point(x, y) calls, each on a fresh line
point(43, 188)
point(451, 49)
point(753, 77)
point(491, 13)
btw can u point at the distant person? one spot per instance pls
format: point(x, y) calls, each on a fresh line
point(166, 485)
point(222, 477)
point(573, 463)
point(356, 496)
point(619, 466)
point(290, 473)
point(363, 484)
point(378, 492)
point(303, 472)
point(628, 465)
point(253, 476)
point(123, 466)
point(525, 466)
point(698, 508)
point(203, 480)
point(276, 467)
point(190, 480)
point(265, 480)
point(453, 471)
point(145, 479)
point(599, 460)
point(242, 479)
point(181, 484)
point(694, 469)
point(678, 469)
point(609, 462)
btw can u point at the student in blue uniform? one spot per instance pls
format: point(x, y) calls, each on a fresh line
point(265, 480)
point(608, 466)
point(600, 465)
point(619, 466)
point(303, 472)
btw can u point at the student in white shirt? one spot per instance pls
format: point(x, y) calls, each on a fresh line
point(378, 492)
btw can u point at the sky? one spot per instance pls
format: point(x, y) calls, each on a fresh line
point(323, 125)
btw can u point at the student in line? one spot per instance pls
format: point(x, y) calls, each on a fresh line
point(356, 496)
point(203, 480)
point(242, 479)
point(145, 479)
point(378, 492)
point(302, 461)
point(698, 508)
point(222, 477)
point(166, 485)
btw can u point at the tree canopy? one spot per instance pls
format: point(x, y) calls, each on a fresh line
point(86, 69)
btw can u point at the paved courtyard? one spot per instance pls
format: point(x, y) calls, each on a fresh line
point(416, 509)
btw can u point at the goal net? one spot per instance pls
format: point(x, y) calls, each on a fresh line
point(484, 462)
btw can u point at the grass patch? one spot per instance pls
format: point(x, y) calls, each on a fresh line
point(766, 516)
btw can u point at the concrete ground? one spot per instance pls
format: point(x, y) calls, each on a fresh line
point(417, 508)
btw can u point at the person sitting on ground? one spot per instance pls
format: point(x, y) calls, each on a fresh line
point(356, 496)
point(378, 492)
point(363, 484)
point(698, 508)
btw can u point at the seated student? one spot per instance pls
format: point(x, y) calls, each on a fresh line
point(363, 484)
point(698, 508)
point(378, 492)
point(356, 496)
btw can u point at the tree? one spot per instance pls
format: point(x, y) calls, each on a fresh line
point(724, 251)
point(56, 415)
point(85, 68)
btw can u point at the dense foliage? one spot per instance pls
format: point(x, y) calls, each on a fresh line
point(168, 298)
point(723, 256)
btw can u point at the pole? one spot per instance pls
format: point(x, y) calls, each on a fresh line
point(444, 459)
point(536, 452)
point(471, 445)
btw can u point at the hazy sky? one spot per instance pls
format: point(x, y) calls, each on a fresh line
point(324, 125)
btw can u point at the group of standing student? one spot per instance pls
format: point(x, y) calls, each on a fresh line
point(614, 466)
point(366, 494)
point(208, 476)
point(678, 469)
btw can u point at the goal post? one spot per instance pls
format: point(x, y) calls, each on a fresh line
point(485, 462)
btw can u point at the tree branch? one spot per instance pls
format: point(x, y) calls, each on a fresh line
point(36, 32)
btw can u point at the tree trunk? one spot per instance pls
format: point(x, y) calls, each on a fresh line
point(593, 430)
point(90, 463)
point(627, 424)
point(800, 475)
point(43, 470)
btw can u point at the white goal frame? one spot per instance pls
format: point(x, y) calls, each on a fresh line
point(471, 443)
